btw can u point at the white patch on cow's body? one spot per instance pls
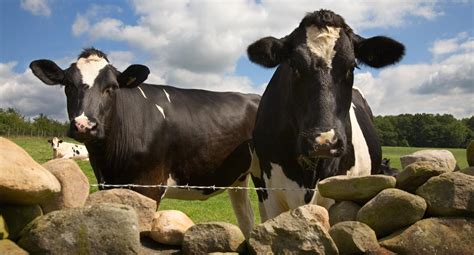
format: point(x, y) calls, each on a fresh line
point(90, 67)
point(279, 201)
point(326, 137)
point(362, 164)
point(167, 95)
point(143, 93)
point(161, 110)
point(185, 194)
point(321, 42)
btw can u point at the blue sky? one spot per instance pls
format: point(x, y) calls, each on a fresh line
point(201, 44)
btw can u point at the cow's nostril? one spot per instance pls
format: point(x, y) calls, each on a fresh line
point(326, 138)
point(84, 125)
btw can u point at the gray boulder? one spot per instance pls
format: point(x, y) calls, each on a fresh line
point(22, 180)
point(450, 194)
point(74, 185)
point(18, 216)
point(343, 211)
point(433, 236)
point(97, 229)
point(355, 188)
point(353, 237)
point(213, 237)
point(443, 158)
point(144, 207)
point(391, 210)
point(417, 173)
point(291, 233)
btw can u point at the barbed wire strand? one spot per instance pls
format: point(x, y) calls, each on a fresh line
point(129, 186)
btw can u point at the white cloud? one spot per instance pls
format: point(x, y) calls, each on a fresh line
point(206, 38)
point(36, 7)
point(451, 45)
point(442, 86)
point(23, 91)
point(81, 25)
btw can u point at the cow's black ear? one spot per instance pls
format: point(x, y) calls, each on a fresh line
point(60, 141)
point(267, 52)
point(49, 141)
point(47, 71)
point(133, 76)
point(378, 51)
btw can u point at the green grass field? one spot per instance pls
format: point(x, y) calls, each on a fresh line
point(217, 208)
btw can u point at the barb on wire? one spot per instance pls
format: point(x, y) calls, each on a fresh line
point(188, 187)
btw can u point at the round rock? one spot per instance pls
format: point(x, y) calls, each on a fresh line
point(97, 229)
point(433, 236)
point(144, 207)
point(169, 227)
point(213, 237)
point(355, 188)
point(443, 158)
point(22, 180)
point(450, 194)
point(417, 173)
point(343, 211)
point(391, 210)
point(74, 185)
point(306, 233)
point(353, 237)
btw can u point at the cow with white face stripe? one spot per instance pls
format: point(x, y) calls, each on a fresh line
point(311, 122)
point(147, 134)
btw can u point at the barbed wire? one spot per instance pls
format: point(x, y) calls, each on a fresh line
point(164, 186)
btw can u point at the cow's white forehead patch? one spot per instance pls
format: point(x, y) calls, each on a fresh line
point(90, 68)
point(321, 42)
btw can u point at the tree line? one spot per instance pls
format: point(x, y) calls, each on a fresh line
point(406, 130)
point(424, 130)
point(13, 123)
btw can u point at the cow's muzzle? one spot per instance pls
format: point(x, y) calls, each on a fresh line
point(84, 125)
point(327, 145)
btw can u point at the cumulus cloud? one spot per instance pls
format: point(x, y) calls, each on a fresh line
point(445, 46)
point(23, 91)
point(446, 85)
point(36, 7)
point(205, 39)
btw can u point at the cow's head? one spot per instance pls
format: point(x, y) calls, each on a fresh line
point(319, 58)
point(55, 145)
point(90, 86)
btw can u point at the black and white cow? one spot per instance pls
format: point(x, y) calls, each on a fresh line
point(311, 122)
point(154, 134)
point(63, 149)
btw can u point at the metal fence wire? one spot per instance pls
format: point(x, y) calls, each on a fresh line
point(164, 186)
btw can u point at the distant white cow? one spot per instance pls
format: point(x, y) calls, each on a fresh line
point(68, 150)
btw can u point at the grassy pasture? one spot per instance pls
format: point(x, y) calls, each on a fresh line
point(217, 208)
